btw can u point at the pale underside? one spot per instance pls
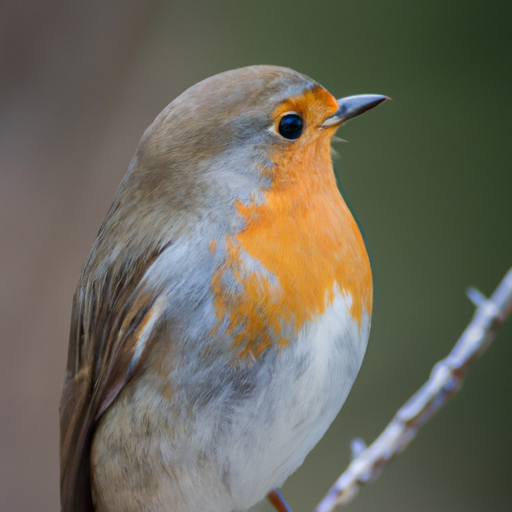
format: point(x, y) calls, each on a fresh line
point(255, 429)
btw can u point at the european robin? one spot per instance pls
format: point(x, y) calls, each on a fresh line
point(224, 309)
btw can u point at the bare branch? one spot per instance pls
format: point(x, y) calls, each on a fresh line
point(445, 380)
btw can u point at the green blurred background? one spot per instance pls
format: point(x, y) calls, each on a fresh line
point(428, 175)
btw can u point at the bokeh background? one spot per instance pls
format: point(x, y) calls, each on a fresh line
point(428, 175)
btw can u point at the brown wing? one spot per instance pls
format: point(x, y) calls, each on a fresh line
point(111, 320)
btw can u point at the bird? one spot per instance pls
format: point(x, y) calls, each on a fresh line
point(224, 310)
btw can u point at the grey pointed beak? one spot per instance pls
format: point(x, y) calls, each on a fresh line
point(353, 106)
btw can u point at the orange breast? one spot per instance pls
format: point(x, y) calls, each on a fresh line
point(303, 235)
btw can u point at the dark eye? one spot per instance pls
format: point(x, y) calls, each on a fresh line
point(291, 126)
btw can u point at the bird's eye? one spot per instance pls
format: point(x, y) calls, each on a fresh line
point(291, 126)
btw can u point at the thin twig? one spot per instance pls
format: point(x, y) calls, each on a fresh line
point(445, 380)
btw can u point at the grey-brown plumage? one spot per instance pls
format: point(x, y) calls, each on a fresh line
point(106, 314)
point(163, 195)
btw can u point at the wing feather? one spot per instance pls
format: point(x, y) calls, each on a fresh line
point(113, 318)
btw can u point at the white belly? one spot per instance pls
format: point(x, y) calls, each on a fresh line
point(313, 377)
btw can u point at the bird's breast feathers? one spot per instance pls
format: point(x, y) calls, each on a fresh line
point(297, 249)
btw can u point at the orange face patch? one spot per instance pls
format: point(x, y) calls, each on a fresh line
point(314, 105)
point(303, 235)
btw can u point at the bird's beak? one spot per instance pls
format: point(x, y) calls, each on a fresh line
point(352, 106)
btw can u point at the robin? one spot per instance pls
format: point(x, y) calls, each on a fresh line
point(224, 309)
